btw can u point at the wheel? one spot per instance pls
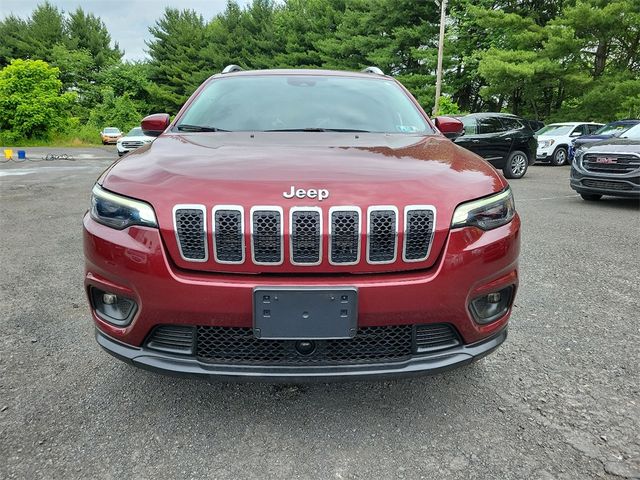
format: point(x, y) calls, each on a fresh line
point(591, 197)
point(560, 157)
point(517, 165)
point(120, 154)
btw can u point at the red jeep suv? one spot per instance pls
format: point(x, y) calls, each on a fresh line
point(301, 224)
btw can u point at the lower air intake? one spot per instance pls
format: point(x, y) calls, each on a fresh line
point(172, 339)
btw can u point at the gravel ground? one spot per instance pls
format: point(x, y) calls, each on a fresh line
point(559, 400)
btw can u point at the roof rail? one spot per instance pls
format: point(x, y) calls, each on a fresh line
point(231, 69)
point(374, 70)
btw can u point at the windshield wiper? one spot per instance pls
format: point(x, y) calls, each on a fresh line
point(318, 129)
point(198, 128)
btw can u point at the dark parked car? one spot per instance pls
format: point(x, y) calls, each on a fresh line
point(608, 167)
point(613, 129)
point(505, 141)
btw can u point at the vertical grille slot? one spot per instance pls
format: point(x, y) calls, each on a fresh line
point(419, 227)
point(306, 236)
point(190, 227)
point(344, 239)
point(266, 235)
point(382, 234)
point(228, 234)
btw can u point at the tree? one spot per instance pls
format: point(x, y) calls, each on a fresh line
point(115, 111)
point(88, 32)
point(31, 100)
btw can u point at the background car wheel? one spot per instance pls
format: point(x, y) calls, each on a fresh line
point(517, 165)
point(590, 197)
point(560, 157)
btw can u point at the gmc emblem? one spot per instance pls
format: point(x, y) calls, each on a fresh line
point(606, 160)
point(319, 193)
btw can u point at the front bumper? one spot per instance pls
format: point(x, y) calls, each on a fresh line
point(133, 263)
point(418, 365)
point(624, 186)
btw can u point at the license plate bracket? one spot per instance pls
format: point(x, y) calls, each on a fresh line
point(305, 313)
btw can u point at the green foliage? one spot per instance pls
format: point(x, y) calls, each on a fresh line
point(115, 111)
point(31, 100)
point(547, 59)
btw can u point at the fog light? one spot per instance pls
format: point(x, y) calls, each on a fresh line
point(490, 307)
point(109, 298)
point(113, 308)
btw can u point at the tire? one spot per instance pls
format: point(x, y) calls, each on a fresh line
point(591, 197)
point(560, 157)
point(516, 165)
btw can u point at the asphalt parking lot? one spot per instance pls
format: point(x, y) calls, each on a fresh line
point(559, 400)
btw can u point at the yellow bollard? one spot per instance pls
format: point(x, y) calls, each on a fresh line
point(8, 154)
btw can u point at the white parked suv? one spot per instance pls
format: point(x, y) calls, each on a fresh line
point(132, 140)
point(554, 140)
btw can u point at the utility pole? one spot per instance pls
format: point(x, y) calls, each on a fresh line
point(443, 19)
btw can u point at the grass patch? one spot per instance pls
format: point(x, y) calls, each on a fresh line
point(83, 136)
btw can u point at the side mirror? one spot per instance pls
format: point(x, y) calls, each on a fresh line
point(154, 125)
point(450, 127)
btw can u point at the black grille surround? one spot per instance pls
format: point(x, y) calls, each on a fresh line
point(238, 346)
point(190, 224)
point(306, 236)
point(228, 234)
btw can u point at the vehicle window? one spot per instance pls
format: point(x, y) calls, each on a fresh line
point(633, 133)
point(512, 123)
point(580, 129)
point(296, 102)
point(593, 128)
point(135, 132)
point(490, 125)
point(470, 125)
point(111, 130)
point(613, 128)
point(555, 130)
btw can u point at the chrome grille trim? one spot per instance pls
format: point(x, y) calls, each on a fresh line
point(203, 209)
point(293, 239)
point(348, 208)
point(233, 208)
point(382, 208)
point(266, 208)
point(407, 210)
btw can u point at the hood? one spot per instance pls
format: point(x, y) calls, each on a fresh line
point(250, 169)
point(615, 145)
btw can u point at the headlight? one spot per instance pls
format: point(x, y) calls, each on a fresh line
point(546, 143)
point(486, 213)
point(120, 212)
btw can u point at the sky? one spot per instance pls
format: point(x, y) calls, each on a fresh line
point(128, 21)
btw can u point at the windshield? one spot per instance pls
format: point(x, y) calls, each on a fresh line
point(111, 130)
point(303, 103)
point(613, 128)
point(555, 130)
point(135, 132)
point(633, 133)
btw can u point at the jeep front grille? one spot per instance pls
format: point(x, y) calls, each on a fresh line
point(306, 236)
point(190, 227)
point(266, 235)
point(382, 236)
point(228, 235)
point(344, 236)
point(350, 236)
